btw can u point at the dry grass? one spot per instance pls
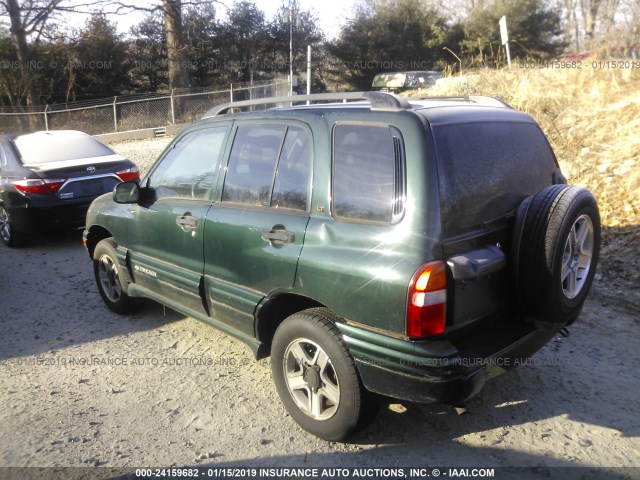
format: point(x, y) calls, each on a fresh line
point(592, 119)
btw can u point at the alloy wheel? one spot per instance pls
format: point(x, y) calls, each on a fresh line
point(109, 279)
point(576, 259)
point(311, 379)
point(5, 226)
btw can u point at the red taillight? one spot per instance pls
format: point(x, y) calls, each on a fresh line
point(427, 301)
point(129, 174)
point(39, 185)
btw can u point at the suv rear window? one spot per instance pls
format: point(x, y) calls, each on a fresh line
point(44, 147)
point(486, 168)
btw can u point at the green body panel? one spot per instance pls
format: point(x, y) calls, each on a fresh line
point(241, 268)
point(361, 271)
point(225, 269)
point(423, 358)
point(256, 347)
point(165, 257)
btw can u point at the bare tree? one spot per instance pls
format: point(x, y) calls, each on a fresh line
point(172, 14)
point(177, 71)
point(26, 19)
point(589, 10)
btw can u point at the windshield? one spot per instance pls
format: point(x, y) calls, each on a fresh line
point(389, 80)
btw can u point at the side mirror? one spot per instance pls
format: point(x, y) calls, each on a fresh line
point(127, 192)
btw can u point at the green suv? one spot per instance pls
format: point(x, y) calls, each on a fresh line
point(371, 245)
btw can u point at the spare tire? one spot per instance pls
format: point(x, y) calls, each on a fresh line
point(555, 252)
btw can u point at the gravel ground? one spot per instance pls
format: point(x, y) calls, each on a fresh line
point(142, 152)
point(82, 386)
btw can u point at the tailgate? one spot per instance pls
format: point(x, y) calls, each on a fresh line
point(479, 284)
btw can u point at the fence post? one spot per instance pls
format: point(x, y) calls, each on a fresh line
point(115, 115)
point(173, 113)
point(46, 121)
point(231, 93)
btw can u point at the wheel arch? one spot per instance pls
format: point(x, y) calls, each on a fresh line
point(273, 311)
point(95, 235)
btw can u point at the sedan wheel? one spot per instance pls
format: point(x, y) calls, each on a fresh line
point(7, 233)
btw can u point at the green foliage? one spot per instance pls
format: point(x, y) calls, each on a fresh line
point(533, 28)
point(9, 73)
point(245, 39)
point(302, 27)
point(382, 35)
point(202, 44)
point(98, 67)
point(391, 35)
point(148, 52)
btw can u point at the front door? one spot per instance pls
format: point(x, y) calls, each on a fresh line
point(167, 257)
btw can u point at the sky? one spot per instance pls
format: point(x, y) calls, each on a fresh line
point(331, 13)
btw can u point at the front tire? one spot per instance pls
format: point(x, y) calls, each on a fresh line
point(315, 375)
point(111, 284)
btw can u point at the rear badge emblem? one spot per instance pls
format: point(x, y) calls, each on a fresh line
point(91, 169)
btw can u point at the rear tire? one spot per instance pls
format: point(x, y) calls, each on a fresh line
point(555, 252)
point(110, 282)
point(315, 375)
point(9, 236)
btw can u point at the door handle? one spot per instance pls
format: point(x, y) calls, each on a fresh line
point(187, 222)
point(278, 236)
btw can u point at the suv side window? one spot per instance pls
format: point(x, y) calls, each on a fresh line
point(368, 173)
point(291, 188)
point(269, 166)
point(188, 169)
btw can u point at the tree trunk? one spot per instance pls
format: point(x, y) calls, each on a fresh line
point(173, 29)
point(590, 16)
point(177, 71)
point(19, 38)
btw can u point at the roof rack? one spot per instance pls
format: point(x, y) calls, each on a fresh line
point(378, 100)
point(479, 99)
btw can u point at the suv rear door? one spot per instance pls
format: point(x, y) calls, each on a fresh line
point(255, 232)
point(486, 168)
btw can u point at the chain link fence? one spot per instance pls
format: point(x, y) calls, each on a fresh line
point(132, 112)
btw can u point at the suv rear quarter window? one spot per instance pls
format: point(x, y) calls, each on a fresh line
point(368, 173)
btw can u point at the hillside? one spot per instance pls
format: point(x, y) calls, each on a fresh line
point(592, 118)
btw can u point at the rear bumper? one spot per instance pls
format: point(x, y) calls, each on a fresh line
point(29, 219)
point(440, 371)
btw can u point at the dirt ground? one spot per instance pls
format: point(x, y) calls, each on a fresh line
point(82, 386)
